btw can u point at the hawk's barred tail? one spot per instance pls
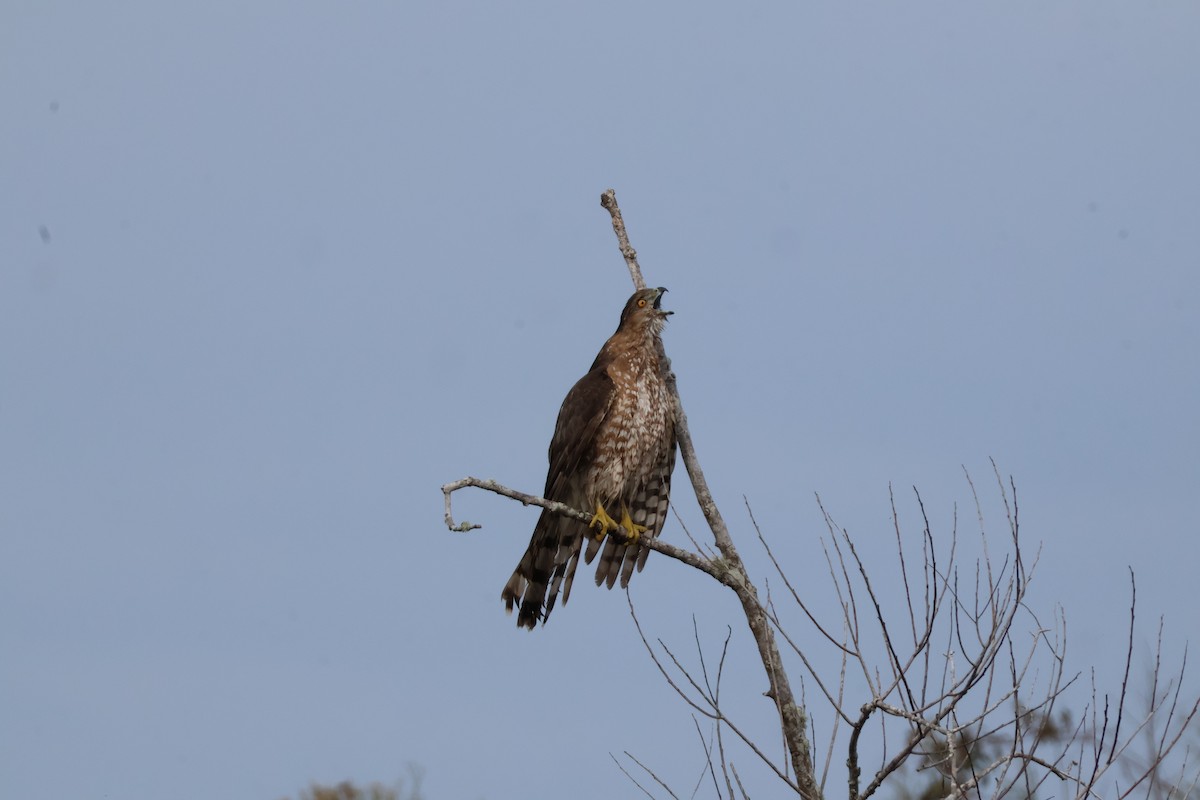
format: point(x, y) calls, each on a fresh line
point(550, 558)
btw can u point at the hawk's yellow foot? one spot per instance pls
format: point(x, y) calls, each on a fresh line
point(602, 520)
point(633, 530)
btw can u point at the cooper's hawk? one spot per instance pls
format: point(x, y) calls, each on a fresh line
point(612, 455)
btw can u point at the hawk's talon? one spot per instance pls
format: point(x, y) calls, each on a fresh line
point(602, 520)
point(633, 531)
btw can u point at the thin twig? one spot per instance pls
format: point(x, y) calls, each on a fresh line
point(650, 772)
point(1128, 661)
point(621, 767)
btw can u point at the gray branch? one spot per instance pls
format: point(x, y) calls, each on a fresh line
point(793, 719)
point(713, 568)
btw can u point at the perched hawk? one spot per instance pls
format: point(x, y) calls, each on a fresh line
point(612, 455)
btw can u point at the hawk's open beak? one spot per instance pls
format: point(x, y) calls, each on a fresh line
point(658, 302)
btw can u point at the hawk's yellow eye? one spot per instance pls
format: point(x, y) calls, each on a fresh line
point(642, 303)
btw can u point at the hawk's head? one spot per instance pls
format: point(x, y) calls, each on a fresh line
point(644, 310)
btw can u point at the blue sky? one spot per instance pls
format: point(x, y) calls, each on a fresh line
point(272, 274)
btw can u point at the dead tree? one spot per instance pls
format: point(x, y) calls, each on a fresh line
point(964, 664)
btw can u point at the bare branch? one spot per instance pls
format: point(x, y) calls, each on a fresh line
point(707, 746)
point(788, 583)
point(650, 772)
point(738, 778)
point(793, 720)
point(1128, 660)
point(609, 201)
point(654, 543)
point(621, 767)
point(712, 711)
